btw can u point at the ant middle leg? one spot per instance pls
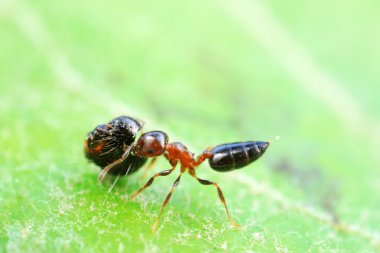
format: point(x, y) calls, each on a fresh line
point(150, 181)
point(220, 194)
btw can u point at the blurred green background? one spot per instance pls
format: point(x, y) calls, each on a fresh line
point(205, 72)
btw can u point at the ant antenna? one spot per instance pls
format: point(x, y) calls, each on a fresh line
point(141, 122)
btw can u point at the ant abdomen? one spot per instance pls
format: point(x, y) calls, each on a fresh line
point(231, 156)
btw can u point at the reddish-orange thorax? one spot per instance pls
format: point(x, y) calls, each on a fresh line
point(178, 152)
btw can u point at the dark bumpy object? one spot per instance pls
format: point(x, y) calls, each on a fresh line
point(232, 156)
point(107, 143)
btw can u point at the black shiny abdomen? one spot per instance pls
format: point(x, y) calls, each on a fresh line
point(231, 156)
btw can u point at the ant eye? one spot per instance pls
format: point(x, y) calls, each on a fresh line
point(151, 144)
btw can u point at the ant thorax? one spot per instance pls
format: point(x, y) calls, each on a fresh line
point(176, 151)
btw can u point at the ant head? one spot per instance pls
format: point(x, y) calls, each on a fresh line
point(151, 144)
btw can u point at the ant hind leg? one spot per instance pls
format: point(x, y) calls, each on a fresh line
point(220, 194)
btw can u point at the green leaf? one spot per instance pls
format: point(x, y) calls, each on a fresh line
point(206, 73)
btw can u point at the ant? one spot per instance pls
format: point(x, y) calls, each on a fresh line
point(112, 146)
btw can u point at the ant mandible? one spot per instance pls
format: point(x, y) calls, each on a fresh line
point(112, 146)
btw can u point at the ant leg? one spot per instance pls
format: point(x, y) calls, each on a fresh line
point(150, 181)
point(220, 194)
point(149, 167)
point(176, 182)
point(106, 169)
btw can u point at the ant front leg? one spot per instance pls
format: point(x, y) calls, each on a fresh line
point(106, 169)
point(150, 181)
point(220, 194)
point(176, 182)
